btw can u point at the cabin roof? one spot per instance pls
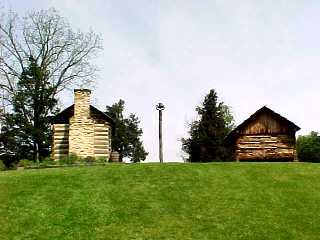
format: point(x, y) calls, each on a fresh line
point(262, 110)
point(63, 117)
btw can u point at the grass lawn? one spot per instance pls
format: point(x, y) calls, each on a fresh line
point(170, 201)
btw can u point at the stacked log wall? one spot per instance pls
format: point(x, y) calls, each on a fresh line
point(265, 147)
point(102, 140)
point(60, 141)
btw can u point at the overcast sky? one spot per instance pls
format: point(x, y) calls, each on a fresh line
point(253, 53)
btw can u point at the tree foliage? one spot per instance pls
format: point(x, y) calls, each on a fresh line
point(206, 141)
point(308, 147)
point(40, 56)
point(28, 125)
point(126, 139)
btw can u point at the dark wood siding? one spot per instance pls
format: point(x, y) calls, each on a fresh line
point(265, 123)
point(265, 136)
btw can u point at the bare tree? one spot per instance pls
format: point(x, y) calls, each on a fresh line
point(40, 56)
point(62, 53)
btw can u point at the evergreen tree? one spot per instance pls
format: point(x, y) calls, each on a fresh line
point(206, 141)
point(126, 139)
point(28, 126)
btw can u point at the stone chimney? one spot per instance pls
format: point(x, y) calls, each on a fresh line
point(82, 103)
point(81, 126)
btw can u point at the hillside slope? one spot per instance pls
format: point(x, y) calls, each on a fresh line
point(170, 201)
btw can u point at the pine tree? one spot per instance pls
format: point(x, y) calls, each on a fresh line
point(206, 141)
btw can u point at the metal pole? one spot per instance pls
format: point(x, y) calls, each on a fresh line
point(160, 137)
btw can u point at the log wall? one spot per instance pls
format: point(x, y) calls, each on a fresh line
point(265, 147)
point(82, 143)
point(102, 140)
point(60, 141)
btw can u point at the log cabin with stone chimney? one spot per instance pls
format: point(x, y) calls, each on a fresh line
point(264, 136)
point(82, 129)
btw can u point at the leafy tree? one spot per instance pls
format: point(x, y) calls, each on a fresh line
point(206, 141)
point(126, 139)
point(40, 56)
point(308, 147)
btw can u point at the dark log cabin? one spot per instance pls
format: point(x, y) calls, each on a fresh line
point(264, 136)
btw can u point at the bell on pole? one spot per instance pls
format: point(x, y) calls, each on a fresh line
point(160, 107)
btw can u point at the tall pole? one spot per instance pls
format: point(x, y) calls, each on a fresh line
point(160, 108)
point(160, 138)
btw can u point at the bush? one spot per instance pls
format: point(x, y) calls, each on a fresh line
point(2, 166)
point(47, 161)
point(308, 147)
point(72, 158)
point(9, 160)
point(89, 160)
point(25, 163)
point(101, 159)
point(66, 161)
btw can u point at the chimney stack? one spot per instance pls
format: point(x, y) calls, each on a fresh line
point(82, 103)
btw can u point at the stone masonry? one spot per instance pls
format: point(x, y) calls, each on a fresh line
point(81, 128)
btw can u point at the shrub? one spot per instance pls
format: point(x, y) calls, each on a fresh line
point(25, 163)
point(2, 166)
point(65, 161)
point(47, 161)
point(72, 158)
point(89, 159)
point(9, 161)
point(102, 159)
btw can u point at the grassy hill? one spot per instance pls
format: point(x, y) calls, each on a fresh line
point(170, 201)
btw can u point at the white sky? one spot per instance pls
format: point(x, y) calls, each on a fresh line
point(253, 53)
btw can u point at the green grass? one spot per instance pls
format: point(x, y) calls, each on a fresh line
point(170, 201)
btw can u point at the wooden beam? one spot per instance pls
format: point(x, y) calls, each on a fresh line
point(60, 137)
point(59, 150)
point(101, 151)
